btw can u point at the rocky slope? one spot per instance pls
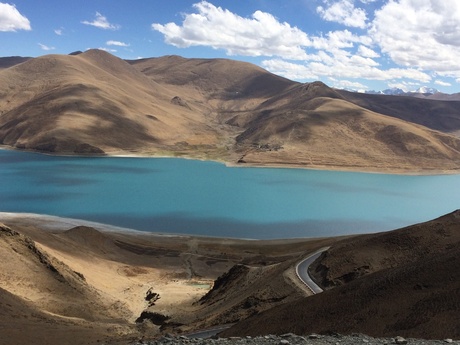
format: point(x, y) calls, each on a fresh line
point(289, 338)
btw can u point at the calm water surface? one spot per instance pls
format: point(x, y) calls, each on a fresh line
point(207, 198)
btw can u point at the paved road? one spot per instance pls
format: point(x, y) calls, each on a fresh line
point(302, 274)
point(302, 271)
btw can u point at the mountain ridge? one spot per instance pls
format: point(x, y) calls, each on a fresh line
point(221, 109)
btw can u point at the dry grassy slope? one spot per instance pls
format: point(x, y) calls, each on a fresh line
point(118, 270)
point(439, 115)
point(227, 82)
point(404, 282)
point(90, 102)
point(283, 122)
point(256, 283)
point(351, 259)
point(94, 102)
point(315, 126)
point(246, 290)
point(222, 89)
point(23, 323)
point(50, 285)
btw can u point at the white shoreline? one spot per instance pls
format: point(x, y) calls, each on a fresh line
point(49, 222)
point(61, 224)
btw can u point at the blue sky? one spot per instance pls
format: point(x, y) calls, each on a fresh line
point(355, 44)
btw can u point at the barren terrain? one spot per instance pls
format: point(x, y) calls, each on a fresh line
point(404, 282)
point(95, 103)
point(116, 286)
point(56, 281)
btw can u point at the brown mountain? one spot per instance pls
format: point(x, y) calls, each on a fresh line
point(9, 61)
point(90, 103)
point(437, 115)
point(403, 282)
point(95, 103)
point(41, 297)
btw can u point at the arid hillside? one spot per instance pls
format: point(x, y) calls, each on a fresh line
point(96, 103)
point(114, 287)
point(437, 115)
point(404, 282)
point(119, 286)
point(91, 103)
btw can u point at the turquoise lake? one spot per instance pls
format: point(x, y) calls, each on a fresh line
point(171, 195)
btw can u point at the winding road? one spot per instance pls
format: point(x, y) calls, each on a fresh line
point(302, 271)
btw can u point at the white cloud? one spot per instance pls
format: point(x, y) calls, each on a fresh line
point(353, 66)
point(343, 12)
point(107, 49)
point(11, 19)
point(367, 52)
point(58, 32)
point(289, 70)
point(45, 47)
point(101, 22)
point(117, 43)
point(338, 40)
point(347, 84)
point(427, 34)
point(260, 35)
point(442, 83)
point(403, 41)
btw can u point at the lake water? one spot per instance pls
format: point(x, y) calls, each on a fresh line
point(207, 198)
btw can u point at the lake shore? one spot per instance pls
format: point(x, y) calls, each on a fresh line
point(233, 163)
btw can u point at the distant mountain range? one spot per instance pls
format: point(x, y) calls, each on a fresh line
point(96, 103)
point(398, 92)
point(421, 92)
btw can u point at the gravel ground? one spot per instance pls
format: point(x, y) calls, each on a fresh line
point(292, 339)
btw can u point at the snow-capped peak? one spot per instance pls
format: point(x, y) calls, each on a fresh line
point(426, 89)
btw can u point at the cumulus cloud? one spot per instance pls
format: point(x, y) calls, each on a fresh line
point(11, 19)
point(347, 84)
point(423, 46)
point(442, 83)
point(343, 12)
point(117, 43)
point(101, 22)
point(260, 35)
point(289, 70)
point(338, 40)
point(367, 52)
point(107, 49)
point(427, 35)
point(45, 47)
point(350, 66)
